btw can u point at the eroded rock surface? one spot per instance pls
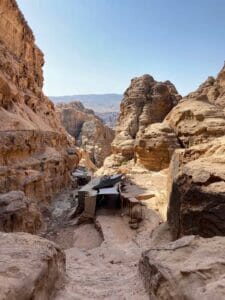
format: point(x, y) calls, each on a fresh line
point(189, 268)
point(146, 101)
point(89, 130)
point(18, 213)
point(196, 121)
point(35, 151)
point(31, 267)
point(197, 178)
point(139, 134)
point(197, 190)
point(155, 146)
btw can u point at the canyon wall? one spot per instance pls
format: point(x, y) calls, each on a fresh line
point(197, 178)
point(90, 132)
point(36, 153)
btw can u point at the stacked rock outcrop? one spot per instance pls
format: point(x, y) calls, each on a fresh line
point(36, 153)
point(90, 132)
point(139, 134)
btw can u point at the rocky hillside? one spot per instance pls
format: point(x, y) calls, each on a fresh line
point(36, 153)
point(90, 132)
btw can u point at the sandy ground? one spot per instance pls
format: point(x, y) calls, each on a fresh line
point(108, 270)
point(102, 258)
point(150, 188)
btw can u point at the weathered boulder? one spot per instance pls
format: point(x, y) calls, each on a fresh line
point(35, 154)
point(197, 190)
point(196, 121)
point(31, 267)
point(155, 145)
point(189, 268)
point(18, 213)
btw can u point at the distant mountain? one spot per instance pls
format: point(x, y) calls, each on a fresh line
point(100, 103)
point(109, 118)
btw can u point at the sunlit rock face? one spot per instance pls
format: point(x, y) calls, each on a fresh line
point(35, 151)
point(197, 177)
point(139, 134)
point(90, 132)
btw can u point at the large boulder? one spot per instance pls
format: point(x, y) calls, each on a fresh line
point(197, 190)
point(19, 213)
point(190, 268)
point(31, 267)
point(155, 145)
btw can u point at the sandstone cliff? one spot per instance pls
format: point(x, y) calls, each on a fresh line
point(197, 179)
point(36, 154)
point(145, 104)
point(90, 132)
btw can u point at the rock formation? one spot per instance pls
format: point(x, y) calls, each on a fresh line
point(196, 121)
point(31, 267)
point(18, 213)
point(36, 154)
point(139, 135)
point(189, 268)
point(197, 190)
point(90, 132)
point(155, 146)
point(197, 178)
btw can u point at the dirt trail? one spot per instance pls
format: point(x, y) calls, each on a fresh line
point(109, 271)
point(101, 258)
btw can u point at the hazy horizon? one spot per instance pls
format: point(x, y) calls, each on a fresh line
point(96, 47)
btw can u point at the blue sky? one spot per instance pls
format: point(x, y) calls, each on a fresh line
point(97, 46)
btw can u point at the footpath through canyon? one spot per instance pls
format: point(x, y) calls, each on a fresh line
point(163, 237)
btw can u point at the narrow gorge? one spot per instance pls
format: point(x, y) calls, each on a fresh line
point(66, 231)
